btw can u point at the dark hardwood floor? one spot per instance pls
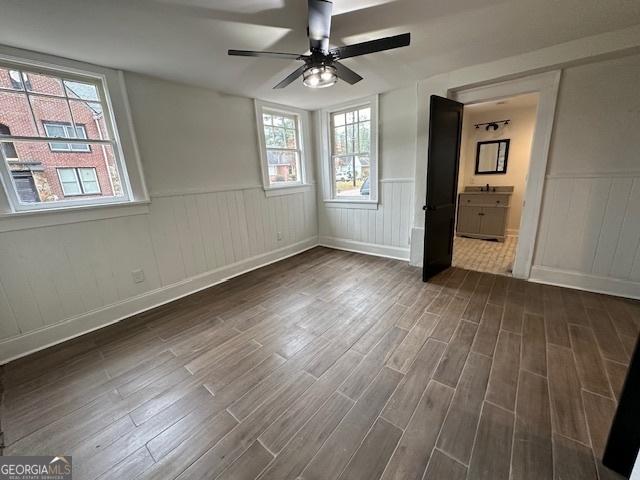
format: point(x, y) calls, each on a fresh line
point(335, 365)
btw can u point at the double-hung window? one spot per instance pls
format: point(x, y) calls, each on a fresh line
point(281, 134)
point(350, 163)
point(58, 131)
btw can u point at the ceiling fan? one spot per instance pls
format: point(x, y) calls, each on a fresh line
point(321, 67)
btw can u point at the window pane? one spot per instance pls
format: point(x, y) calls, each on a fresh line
point(289, 123)
point(351, 176)
point(290, 137)
point(10, 79)
point(350, 117)
point(340, 141)
point(283, 166)
point(69, 181)
point(89, 180)
point(84, 91)
point(351, 138)
point(15, 114)
point(49, 110)
point(266, 119)
point(278, 121)
point(364, 137)
point(37, 83)
point(90, 115)
point(364, 114)
point(97, 169)
point(338, 120)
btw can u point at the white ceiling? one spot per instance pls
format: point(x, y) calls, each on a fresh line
point(187, 40)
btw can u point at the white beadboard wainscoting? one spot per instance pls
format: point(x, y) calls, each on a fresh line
point(383, 231)
point(589, 235)
point(57, 282)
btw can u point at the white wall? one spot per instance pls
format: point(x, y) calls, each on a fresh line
point(520, 133)
point(385, 230)
point(208, 219)
point(590, 226)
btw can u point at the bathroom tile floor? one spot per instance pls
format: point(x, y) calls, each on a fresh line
point(485, 255)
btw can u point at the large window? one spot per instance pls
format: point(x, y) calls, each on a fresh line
point(59, 141)
point(350, 168)
point(281, 146)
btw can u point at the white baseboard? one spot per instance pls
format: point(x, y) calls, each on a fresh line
point(417, 246)
point(378, 250)
point(583, 281)
point(19, 346)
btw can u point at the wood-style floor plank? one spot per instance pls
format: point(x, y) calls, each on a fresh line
point(567, 409)
point(534, 357)
point(459, 429)
point(503, 382)
point(532, 449)
point(492, 451)
point(410, 459)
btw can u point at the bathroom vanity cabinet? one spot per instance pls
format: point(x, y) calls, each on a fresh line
point(483, 213)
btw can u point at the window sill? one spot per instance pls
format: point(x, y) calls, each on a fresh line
point(286, 190)
point(354, 204)
point(75, 214)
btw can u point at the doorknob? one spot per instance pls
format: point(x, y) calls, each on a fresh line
point(428, 208)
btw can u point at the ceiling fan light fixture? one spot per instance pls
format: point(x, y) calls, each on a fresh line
point(320, 76)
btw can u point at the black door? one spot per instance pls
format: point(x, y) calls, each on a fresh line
point(445, 129)
point(624, 437)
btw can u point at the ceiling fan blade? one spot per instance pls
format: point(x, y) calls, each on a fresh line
point(346, 74)
point(292, 76)
point(250, 53)
point(372, 46)
point(319, 24)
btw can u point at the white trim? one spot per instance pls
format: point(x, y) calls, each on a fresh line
point(287, 190)
point(387, 251)
point(358, 205)
point(67, 215)
point(20, 346)
point(397, 180)
point(546, 85)
point(303, 137)
point(324, 132)
point(583, 281)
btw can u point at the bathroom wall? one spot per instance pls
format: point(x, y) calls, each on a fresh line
point(522, 113)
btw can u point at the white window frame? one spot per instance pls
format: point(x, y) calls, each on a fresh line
point(302, 123)
point(112, 91)
point(79, 181)
point(326, 158)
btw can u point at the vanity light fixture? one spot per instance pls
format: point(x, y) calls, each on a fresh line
point(493, 125)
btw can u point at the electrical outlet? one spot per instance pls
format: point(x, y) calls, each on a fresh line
point(138, 275)
point(279, 235)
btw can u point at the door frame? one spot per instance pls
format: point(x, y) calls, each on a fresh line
point(546, 85)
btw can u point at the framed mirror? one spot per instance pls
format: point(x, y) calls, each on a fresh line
point(492, 156)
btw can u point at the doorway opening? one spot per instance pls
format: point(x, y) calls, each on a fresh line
point(495, 155)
